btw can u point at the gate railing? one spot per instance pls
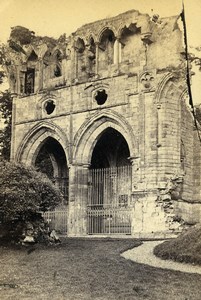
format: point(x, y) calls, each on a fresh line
point(109, 220)
point(57, 220)
point(63, 184)
point(108, 209)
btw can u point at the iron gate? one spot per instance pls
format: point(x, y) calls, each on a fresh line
point(108, 209)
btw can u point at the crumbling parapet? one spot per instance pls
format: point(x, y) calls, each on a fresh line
point(100, 49)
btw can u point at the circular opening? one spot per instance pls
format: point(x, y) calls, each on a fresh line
point(101, 97)
point(49, 107)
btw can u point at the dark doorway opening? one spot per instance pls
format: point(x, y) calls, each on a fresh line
point(51, 160)
point(111, 150)
point(108, 208)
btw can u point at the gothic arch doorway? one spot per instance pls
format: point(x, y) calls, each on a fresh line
point(111, 150)
point(110, 185)
point(51, 160)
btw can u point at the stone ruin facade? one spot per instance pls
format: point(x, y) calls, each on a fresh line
point(108, 109)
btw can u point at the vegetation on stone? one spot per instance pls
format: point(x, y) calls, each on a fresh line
point(5, 132)
point(2, 75)
point(185, 248)
point(21, 36)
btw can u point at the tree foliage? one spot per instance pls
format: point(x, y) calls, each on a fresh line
point(5, 132)
point(2, 75)
point(22, 35)
point(24, 192)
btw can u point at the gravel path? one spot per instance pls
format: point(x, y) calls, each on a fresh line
point(144, 255)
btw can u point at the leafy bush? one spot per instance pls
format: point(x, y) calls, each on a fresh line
point(5, 132)
point(24, 192)
point(185, 248)
point(22, 34)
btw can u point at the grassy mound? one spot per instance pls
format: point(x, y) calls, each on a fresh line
point(185, 248)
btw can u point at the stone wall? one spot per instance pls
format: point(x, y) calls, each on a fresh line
point(125, 73)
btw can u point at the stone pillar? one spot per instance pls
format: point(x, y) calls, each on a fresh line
point(83, 174)
point(72, 190)
point(160, 150)
point(116, 52)
point(97, 58)
point(135, 179)
point(147, 86)
point(135, 162)
point(78, 196)
point(158, 106)
point(74, 73)
point(40, 74)
point(13, 142)
point(151, 149)
point(120, 51)
point(17, 88)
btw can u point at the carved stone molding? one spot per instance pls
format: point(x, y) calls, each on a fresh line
point(147, 81)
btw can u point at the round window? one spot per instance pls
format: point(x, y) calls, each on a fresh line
point(49, 107)
point(101, 97)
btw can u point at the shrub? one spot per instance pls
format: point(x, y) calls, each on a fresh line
point(24, 193)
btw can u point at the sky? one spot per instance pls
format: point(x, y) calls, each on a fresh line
point(55, 17)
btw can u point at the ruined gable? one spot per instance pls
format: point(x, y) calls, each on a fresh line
point(107, 104)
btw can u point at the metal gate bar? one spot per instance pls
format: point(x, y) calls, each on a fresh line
point(57, 220)
point(108, 209)
point(62, 183)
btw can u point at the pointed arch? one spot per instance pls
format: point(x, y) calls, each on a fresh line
point(89, 133)
point(170, 82)
point(32, 56)
point(80, 45)
point(47, 57)
point(90, 37)
point(57, 54)
point(107, 36)
point(175, 89)
point(35, 138)
point(103, 30)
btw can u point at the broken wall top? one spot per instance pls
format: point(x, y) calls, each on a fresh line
point(127, 43)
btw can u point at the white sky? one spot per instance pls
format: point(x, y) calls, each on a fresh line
point(55, 17)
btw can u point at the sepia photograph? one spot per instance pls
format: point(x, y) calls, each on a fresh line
point(100, 150)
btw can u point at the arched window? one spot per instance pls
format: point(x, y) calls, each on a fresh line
point(56, 63)
point(81, 68)
point(91, 57)
point(58, 55)
point(79, 45)
point(29, 81)
point(28, 77)
point(106, 46)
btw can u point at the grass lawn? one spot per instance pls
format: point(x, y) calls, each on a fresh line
point(89, 269)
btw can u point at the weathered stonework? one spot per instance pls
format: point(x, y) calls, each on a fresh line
point(125, 75)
